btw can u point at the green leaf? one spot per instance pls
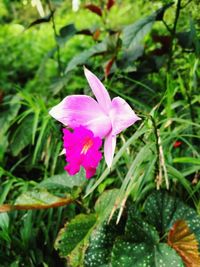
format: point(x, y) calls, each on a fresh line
point(22, 136)
point(84, 56)
point(101, 244)
point(66, 32)
point(9, 110)
point(4, 221)
point(134, 33)
point(74, 233)
point(64, 180)
point(126, 254)
point(138, 231)
point(105, 204)
point(187, 160)
point(41, 20)
point(40, 197)
point(36, 199)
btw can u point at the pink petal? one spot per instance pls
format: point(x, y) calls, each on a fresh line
point(99, 91)
point(90, 172)
point(77, 110)
point(122, 115)
point(109, 148)
point(72, 168)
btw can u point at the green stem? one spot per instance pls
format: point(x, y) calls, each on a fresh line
point(173, 32)
point(55, 35)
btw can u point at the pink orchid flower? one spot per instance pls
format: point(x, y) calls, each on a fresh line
point(106, 118)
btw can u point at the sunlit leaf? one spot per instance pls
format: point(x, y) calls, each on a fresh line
point(37, 199)
point(185, 243)
point(187, 160)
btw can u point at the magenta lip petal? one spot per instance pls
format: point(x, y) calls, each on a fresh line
point(82, 149)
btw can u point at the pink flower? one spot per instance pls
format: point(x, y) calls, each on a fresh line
point(81, 149)
point(104, 117)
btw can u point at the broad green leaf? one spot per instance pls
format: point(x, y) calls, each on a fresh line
point(139, 231)
point(64, 180)
point(134, 33)
point(126, 254)
point(74, 233)
point(101, 244)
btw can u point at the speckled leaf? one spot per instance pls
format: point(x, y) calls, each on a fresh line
point(102, 239)
point(74, 233)
point(185, 243)
point(137, 230)
point(126, 254)
point(163, 210)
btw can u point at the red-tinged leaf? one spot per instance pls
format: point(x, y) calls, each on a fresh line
point(109, 4)
point(185, 243)
point(36, 199)
point(8, 207)
point(108, 66)
point(1, 96)
point(177, 144)
point(96, 35)
point(95, 9)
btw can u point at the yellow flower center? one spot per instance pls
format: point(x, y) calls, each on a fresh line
point(87, 145)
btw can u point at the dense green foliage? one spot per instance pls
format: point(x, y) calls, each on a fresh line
point(147, 53)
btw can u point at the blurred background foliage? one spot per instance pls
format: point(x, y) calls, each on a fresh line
point(144, 51)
